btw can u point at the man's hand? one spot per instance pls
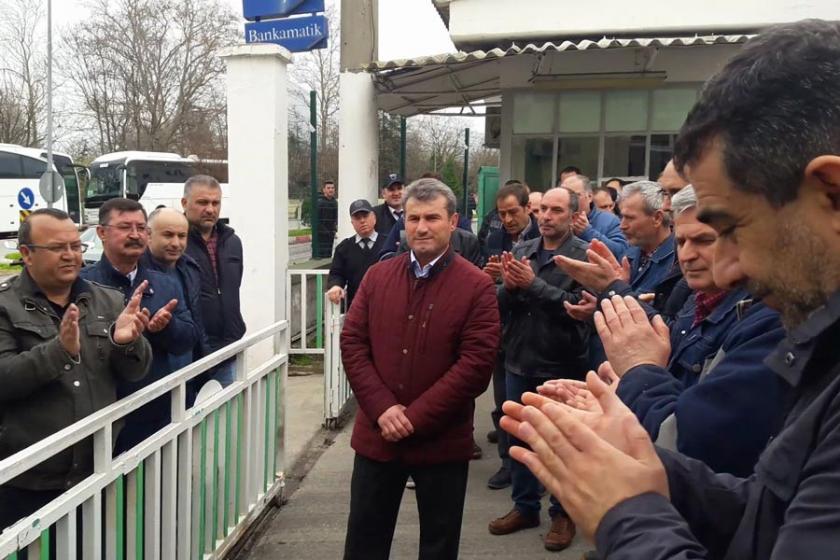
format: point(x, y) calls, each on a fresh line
point(629, 338)
point(520, 271)
point(601, 250)
point(132, 321)
point(336, 294)
point(494, 268)
point(507, 279)
point(584, 309)
point(595, 275)
point(587, 474)
point(68, 331)
point(161, 319)
point(394, 424)
point(580, 223)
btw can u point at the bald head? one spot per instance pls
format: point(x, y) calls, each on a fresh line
point(168, 235)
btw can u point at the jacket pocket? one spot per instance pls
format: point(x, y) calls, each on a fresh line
point(99, 334)
point(42, 331)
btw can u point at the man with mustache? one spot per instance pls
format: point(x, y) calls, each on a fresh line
point(64, 346)
point(171, 331)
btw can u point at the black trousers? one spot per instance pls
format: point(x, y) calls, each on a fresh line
point(17, 503)
point(375, 494)
point(499, 397)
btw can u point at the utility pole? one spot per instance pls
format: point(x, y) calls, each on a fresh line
point(49, 101)
point(466, 172)
point(314, 217)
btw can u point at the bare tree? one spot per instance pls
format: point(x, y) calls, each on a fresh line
point(22, 73)
point(149, 76)
point(318, 71)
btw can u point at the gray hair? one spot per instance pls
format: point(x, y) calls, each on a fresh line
point(685, 199)
point(428, 189)
point(574, 199)
point(584, 180)
point(206, 180)
point(652, 195)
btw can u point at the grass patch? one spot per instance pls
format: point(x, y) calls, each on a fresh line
point(13, 268)
point(301, 360)
point(299, 232)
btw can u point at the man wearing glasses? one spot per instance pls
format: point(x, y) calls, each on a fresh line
point(65, 344)
point(171, 329)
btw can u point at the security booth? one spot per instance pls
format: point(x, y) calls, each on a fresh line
point(610, 107)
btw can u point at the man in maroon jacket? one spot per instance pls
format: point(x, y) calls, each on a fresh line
point(418, 346)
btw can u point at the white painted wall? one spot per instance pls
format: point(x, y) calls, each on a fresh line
point(257, 84)
point(474, 21)
point(358, 151)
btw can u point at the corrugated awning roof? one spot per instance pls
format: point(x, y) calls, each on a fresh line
point(531, 48)
point(424, 84)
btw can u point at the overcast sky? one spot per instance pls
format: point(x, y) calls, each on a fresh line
point(407, 28)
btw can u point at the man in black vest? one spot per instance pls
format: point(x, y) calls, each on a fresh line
point(218, 252)
point(354, 255)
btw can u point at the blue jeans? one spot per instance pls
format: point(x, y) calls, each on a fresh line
point(225, 372)
point(525, 486)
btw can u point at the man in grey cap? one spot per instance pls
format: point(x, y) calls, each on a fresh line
point(354, 255)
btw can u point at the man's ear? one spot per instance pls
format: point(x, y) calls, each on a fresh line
point(823, 173)
point(453, 221)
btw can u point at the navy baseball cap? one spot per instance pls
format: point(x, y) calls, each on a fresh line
point(360, 205)
point(394, 179)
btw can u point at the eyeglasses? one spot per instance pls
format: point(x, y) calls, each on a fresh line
point(128, 228)
point(59, 249)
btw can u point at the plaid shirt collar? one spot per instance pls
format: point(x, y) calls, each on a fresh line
point(706, 304)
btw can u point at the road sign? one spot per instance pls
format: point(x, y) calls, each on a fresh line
point(51, 186)
point(26, 198)
point(253, 9)
point(296, 34)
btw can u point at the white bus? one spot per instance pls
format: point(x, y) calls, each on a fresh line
point(152, 178)
point(20, 170)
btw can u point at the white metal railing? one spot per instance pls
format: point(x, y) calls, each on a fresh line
point(337, 392)
point(189, 490)
point(298, 309)
point(326, 323)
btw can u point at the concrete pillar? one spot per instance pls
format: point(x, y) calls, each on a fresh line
point(258, 155)
point(358, 151)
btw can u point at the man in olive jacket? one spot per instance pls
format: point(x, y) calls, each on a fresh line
point(64, 342)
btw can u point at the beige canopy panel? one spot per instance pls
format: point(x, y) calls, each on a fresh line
point(467, 80)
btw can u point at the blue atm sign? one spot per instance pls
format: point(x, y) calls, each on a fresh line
point(254, 9)
point(296, 34)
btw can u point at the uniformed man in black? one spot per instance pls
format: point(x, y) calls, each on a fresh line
point(354, 255)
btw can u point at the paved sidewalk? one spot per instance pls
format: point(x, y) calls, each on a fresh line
point(312, 524)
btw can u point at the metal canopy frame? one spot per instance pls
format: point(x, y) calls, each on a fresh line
point(468, 80)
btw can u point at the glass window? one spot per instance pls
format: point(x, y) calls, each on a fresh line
point(626, 110)
point(33, 168)
point(661, 151)
point(580, 111)
point(532, 161)
point(624, 156)
point(533, 112)
point(9, 166)
point(670, 107)
point(582, 152)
